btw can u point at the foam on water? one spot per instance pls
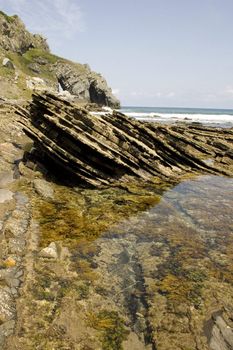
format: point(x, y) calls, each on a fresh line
point(168, 115)
point(213, 117)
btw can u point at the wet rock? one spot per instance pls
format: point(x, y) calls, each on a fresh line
point(222, 335)
point(16, 245)
point(15, 228)
point(43, 188)
point(7, 308)
point(6, 329)
point(50, 251)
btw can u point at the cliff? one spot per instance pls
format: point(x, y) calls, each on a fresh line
point(26, 64)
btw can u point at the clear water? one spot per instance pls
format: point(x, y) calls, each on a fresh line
point(162, 271)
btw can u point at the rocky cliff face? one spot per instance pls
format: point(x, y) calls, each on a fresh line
point(30, 56)
point(80, 81)
point(14, 36)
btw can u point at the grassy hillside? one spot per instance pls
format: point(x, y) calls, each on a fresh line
point(13, 81)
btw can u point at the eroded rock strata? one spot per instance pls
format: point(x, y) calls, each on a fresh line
point(100, 149)
point(141, 266)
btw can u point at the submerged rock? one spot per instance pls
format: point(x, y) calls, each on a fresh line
point(43, 188)
point(50, 251)
point(102, 149)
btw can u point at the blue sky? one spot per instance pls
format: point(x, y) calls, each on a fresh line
point(152, 52)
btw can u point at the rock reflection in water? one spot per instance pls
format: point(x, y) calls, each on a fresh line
point(170, 269)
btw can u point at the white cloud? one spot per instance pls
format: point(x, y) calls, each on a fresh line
point(57, 18)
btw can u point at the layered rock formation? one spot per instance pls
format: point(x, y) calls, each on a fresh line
point(100, 149)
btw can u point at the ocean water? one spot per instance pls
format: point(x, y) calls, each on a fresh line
point(213, 117)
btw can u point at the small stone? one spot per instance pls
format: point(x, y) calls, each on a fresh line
point(6, 62)
point(9, 262)
point(50, 251)
point(43, 188)
point(13, 282)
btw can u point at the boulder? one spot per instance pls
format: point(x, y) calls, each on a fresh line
point(6, 62)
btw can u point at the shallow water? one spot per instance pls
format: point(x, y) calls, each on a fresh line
point(144, 275)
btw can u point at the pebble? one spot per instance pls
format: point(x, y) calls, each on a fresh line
point(49, 252)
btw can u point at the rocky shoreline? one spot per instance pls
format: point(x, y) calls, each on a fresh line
point(58, 256)
point(102, 149)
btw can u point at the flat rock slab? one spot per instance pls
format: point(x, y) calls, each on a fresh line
point(6, 178)
point(5, 195)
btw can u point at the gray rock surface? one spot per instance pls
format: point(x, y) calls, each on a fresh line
point(75, 78)
point(80, 81)
point(14, 36)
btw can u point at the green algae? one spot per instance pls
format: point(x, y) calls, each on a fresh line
point(86, 214)
point(112, 328)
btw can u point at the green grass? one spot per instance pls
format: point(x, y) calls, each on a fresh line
point(31, 54)
point(9, 19)
point(6, 72)
point(22, 63)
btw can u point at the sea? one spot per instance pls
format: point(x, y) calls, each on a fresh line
point(211, 117)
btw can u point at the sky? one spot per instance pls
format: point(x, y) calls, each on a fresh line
point(165, 53)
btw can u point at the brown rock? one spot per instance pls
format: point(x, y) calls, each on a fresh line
point(102, 149)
